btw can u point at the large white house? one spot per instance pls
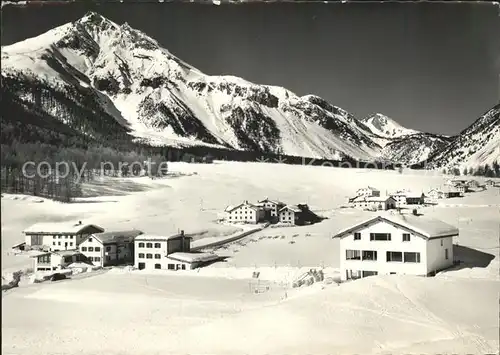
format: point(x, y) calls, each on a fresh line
point(48, 261)
point(368, 191)
point(245, 213)
point(110, 248)
point(151, 251)
point(395, 244)
point(59, 236)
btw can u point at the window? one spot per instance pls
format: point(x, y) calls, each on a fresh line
point(59, 237)
point(53, 243)
point(406, 237)
point(58, 243)
point(90, 239)
point(357, 236)
point(65, 237)
point(141, 245)
point(149, 256)
point(70, 237)
point(91, 248)
point(141, 256)
point(70, 244)
point(380, 236)
point(97, 248)
point(157, 266)
point(157, 256)
point(441, 241)
point(446, 253)
point(171, 266)
point(108, 248)
point(369, 273)
point(369, 255)
point(183, 267)
point(97, 258)
point(91, 259)
point(352, 255)
point(84, 248)
point(149, 245)
point(394, 256)
point(108, 258)
point(411, 257)
point(157, 245)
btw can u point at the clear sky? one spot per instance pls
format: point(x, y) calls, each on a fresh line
point(431, 67)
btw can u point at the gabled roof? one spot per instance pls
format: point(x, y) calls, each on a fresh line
point(424, 226)
point(369, 188)
point(232, 208)
point(293, 208)
point(160, 238)
point(372, 198)
point(62, 228)
point(276, 202)
point(126, 236)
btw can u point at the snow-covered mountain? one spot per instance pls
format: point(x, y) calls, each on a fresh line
point(477, 145)
point(414, 148)
point(386, 127)
point(116, 78)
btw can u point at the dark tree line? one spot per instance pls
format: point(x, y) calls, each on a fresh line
point(482, 170)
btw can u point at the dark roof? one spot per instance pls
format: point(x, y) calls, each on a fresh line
point(118, 236)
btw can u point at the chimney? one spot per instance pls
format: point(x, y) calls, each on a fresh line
point(182, 232)
point(79, 222)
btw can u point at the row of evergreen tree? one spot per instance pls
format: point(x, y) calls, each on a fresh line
point(482, 170)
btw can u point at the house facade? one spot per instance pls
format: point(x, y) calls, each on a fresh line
point(373, 202)
point(245, 213)
point(49, 261)
point(435, 194)
point(395, 244)
point(415, 199)
point(271, 207)
point(59, 236)
point(368, 191)
point(489, 182)
point(152, 251)
point(110, 248)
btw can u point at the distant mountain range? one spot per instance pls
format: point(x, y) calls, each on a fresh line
point(100, 78)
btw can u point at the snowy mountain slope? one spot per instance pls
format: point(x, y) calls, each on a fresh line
point(414, 148)
point(386, 127)
point(117, 73)
point(479, 144)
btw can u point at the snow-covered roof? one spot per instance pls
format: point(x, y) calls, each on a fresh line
point(369, 188)
point(62, 228)
point(293, 208)
point(371, 198)
point(18, 245)
point(422, 225)
point(161, 238)
point(126, 236)
point(276, 202)
point(193, 257)
point(232, 208)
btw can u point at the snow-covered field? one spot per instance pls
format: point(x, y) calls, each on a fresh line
point(214, 311)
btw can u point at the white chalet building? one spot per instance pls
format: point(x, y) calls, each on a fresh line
point(396, 244)
point(110, 248)
point(368, 191)
point(244, 213)
point(374, 202)
point(271, 206)
point(59, 236)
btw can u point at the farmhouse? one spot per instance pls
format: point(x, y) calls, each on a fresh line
point(47, 261)
point(489, 182)
point(435, 194)
point(400, 197)
point(415, 198)
point(445, 192)
point(152, 251)
point(298, 215)
point(368, 191)
point(59, 236)
point(374, 202)
point(245, 213)
point(396, 244)
point(271, 208)
point(110, 248)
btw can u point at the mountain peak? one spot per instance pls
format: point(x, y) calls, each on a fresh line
point(386, 127)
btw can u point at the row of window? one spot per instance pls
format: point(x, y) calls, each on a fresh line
point(382, 236)
point(61, 237)
point(149, 245)
point(391, 256)
point(94, 248)
point(59, 243)
point(94, 258)
point(149, 256)
point(172, 267)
